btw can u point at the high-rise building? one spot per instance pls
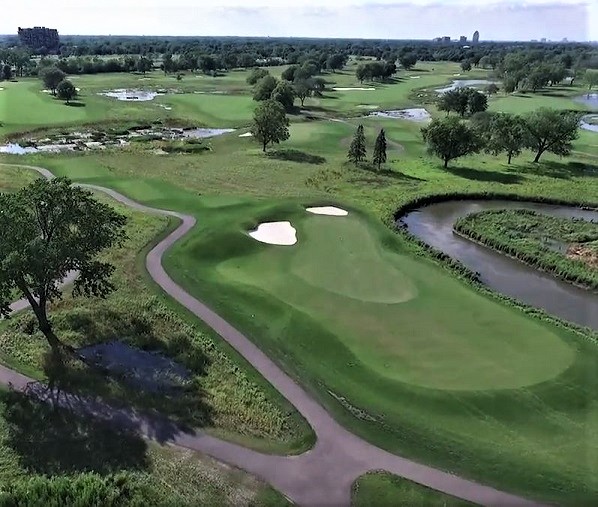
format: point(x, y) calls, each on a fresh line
point(476, 37)
point(463, 39)
point(39, 37)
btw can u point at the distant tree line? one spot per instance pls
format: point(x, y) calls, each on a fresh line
point(242, 52)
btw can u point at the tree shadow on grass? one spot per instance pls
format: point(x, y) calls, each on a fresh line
point(142, 372)
point(369, 175)
point(292, 155)
point(75, 104)
point(493, 176)
point(562, 170)
point(52, 440)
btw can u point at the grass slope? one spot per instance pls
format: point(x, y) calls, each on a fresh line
point(385, 490)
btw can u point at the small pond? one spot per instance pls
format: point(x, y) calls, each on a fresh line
point(150, 371)
point(590, 122)
point(464, 83)
point(132, 95)
point(413, 114)
point(590, 100)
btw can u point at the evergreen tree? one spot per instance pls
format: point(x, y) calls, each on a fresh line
point(357, 151)
point(380, 149)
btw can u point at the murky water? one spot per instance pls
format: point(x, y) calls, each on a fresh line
point(464, 83)
point(433, 224)
point(413, 114)
point(131, 95)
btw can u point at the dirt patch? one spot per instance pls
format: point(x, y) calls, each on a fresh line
point(583, 253)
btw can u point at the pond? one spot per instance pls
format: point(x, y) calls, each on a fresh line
point(589, 122)
point(150, 371)
point(131, 95)
point(433, 224)
point(590, 100)
point(414, 114)
point(464, 83)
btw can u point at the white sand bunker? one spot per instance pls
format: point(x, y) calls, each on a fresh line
point(415, 77)
point(275, 233)
point(246, 134)
point(350, 89)
point(367, 106)
point(328, 210)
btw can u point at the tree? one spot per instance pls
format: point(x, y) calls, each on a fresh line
point(552, 130)
point(288, 74)
point(466, 65)
point(51, 228)
point(476, 102)
point(380, 149)
point(52, 77)
point(6, 72)
point(357, 149)
point(450, 138)
point(285, 94)
point(303, 89)
point(455, 100)
point(208, 65)
point(336, 62)
point(144, 65)
point(492, 89)
point(506, 133)
point(66, 91)
point(264, 88)
point(270, 123)
point(168, 64)
point(591, 78)
point(256, 75)
point(408, 61)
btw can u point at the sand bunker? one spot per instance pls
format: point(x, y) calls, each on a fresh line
point(275, 233)
point(367, 106)
point(415, 77)
point(328, 210)
point(246, 134)
point(351, 89)
point(413, 114)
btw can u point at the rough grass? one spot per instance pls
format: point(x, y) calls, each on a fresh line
point(36, 441)
point(542, 241)
point(385, 490)
point(222, 397)
point(537, 440)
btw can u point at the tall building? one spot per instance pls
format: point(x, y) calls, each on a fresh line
point(463, 39)
point(39, 37)
point(476, 37)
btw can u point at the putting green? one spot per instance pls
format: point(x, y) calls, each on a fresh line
point(379, 304)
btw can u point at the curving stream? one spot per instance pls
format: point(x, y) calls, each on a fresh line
point(433, 224)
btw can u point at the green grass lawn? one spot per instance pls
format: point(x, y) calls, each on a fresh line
point(401, 352)
point(385, 490)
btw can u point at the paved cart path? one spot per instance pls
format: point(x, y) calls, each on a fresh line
point(321, 476)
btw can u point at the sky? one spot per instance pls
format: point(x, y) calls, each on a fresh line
point(380, 19)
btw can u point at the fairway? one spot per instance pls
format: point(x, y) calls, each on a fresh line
point(398, 347)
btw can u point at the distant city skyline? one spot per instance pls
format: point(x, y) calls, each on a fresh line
point(381, 19)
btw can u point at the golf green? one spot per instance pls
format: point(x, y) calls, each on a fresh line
point(378, 303)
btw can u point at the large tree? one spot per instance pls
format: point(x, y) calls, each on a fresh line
point(144, 64)
point(285, 94)
point(450, 138)
point(506, 133)
point(51, 228)
point(264, 88)
point(52, 77)
point(552, 130)
point(408, 60)
point(66, 91)
point(303, 89)
point(270, 123)
point(380, 149)
point(256, 74)
point(357, 149)
point(477, 102)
